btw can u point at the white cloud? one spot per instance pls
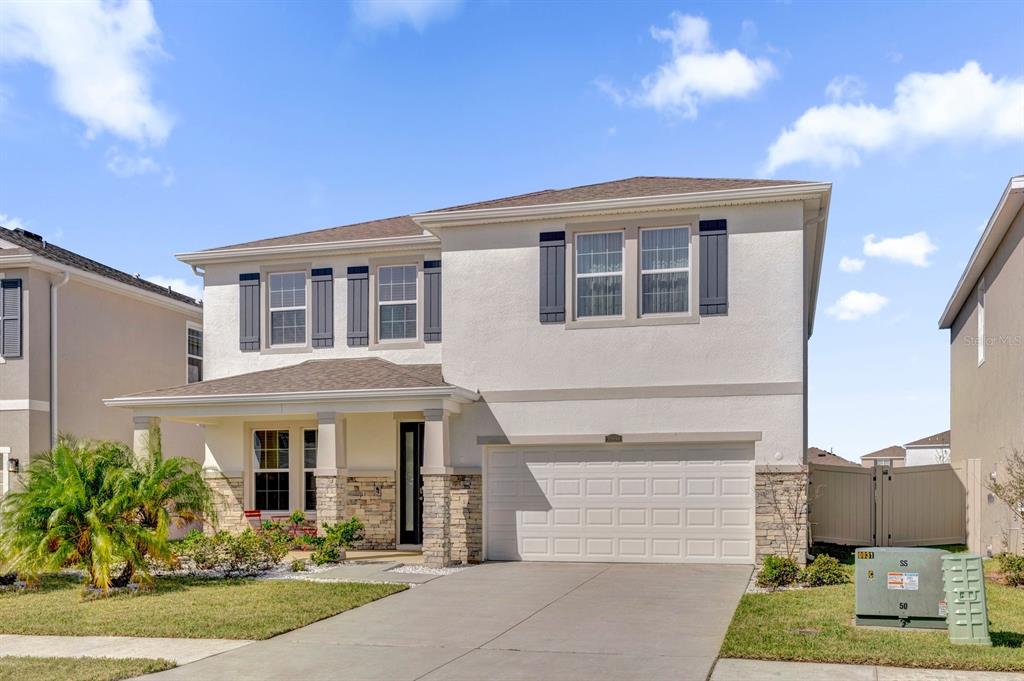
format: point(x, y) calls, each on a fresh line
point(850, 265)
point(192, 289)
point(96, 51)
point(912, 249)
point(845, 88)
point(853, 305)
point(614, 93)
point(11, 222)
point(968, 104)
point(129, 165)
point(696, 73)
point(378, 14)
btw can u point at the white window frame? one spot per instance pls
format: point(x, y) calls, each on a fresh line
point(981, 321)
point(190, 326)
point(306, 469)
point(271, 309)
point(257, 470)
point(641, 272)
point(589, 275)
point(414, 302)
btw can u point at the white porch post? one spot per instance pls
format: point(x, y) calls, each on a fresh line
point(331, 468)
point(141, 426)
point(437, 456)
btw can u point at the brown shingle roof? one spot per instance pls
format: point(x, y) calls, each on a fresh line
point(33, 243)
point(315, 375)
point(893, 452)
point(403, 225)
point(818, 455)
point(937, 440)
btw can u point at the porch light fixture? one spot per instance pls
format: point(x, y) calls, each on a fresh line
point(12, 465)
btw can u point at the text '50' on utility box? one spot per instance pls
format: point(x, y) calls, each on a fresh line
point(900, 587)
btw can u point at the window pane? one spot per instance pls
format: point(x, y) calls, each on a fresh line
point(397, 321)
point(272, 492)
point(287, 289)
point(599, 296)
point(287, 326)
point(310, 491)
point(309, 448)
point(396, 283)
point(270, 449)
point(597, 253)
point(195, 342)
point(195, 370)
point(665, 292)
point(664, 249)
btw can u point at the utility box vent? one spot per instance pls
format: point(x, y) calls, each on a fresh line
point(900, 587)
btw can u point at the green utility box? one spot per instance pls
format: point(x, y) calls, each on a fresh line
point(900, 587)
point(964, 579)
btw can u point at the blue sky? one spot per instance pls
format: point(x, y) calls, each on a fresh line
point(130, 132)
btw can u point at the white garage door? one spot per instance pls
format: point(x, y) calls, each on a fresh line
point(615, 503)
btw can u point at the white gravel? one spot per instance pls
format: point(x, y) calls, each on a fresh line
point(424, 570)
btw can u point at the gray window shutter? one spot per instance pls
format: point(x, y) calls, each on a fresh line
point(358, 306)
point(323, 307)
point(714, 268)
point(249, 311)
point(10, 318)
point(432, 301)
point(552, 277)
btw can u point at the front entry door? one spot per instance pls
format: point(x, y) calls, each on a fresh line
point(411, 456)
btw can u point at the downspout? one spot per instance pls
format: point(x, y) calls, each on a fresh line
point(53, 356)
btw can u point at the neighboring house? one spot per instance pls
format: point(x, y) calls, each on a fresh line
point(894, 456)
point(928, 450)
point(75, 331)
point(601, 373)
point(820, 456)
point(985, 318)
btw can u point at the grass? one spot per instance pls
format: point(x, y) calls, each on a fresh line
point(815, 625)
point(183, 607)
point(77, 668)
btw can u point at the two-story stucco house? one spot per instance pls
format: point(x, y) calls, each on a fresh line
point(985, 318)
point(600, 373)
point(75, 331)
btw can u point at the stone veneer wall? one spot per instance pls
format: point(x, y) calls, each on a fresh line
point(330, 499)
point(373, 499)
point(227, 502)
point(452, 519)
point(785, 488)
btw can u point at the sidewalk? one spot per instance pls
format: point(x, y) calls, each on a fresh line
point(177, 650)
point(764, 670)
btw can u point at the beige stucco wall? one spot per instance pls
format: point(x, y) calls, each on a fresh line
point(987, 401)
point(220, 300)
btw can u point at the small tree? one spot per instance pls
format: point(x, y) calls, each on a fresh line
point(1009, 488)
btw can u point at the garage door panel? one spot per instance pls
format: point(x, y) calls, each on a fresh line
point(631, 504)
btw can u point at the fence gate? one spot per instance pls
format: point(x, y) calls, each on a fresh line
point(888, 506)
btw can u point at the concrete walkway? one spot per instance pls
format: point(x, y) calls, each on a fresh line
point(511, 622)
point(763, 670)
point(177, 650)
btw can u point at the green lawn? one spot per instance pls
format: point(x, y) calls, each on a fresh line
point(814, 625)
point(76, 668)
point(183, 607)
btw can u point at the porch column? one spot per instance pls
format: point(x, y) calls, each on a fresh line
point(142, 425)
point(331, 468)
point(452, 501)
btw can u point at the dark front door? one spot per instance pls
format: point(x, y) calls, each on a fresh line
point(410, 519)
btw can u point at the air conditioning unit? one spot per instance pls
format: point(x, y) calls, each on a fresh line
point(900, 587)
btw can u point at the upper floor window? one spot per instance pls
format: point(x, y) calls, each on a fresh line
point(287, 308)
point(396, 302)
point(665, 270)
point(194, 354)
point(599, 272)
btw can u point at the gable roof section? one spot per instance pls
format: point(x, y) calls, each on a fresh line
point(931, 442)
point(820, 456)
point(399, 226)
point(892, 452)
point(27, 243)
point(1009, 205)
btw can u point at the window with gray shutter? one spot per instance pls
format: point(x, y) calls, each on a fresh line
point(323, 307)
point(358, 306)
point(432, 301)
point(10, 318)
point(552, 277)
point(714, 268)
point(249, 311)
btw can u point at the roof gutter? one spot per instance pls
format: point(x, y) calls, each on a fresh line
point(998, 225)
point(196, 258)
point(447, 392)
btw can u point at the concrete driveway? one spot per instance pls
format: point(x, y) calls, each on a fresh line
point(511, 621)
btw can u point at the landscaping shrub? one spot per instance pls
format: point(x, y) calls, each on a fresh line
point(337, 537)
point(777, 572)
point(298, 565)
point(243, 553)
point(824, 570)
point(202, 550)
point(1012, 567)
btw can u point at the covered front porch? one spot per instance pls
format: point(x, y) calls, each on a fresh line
point(333, 439)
